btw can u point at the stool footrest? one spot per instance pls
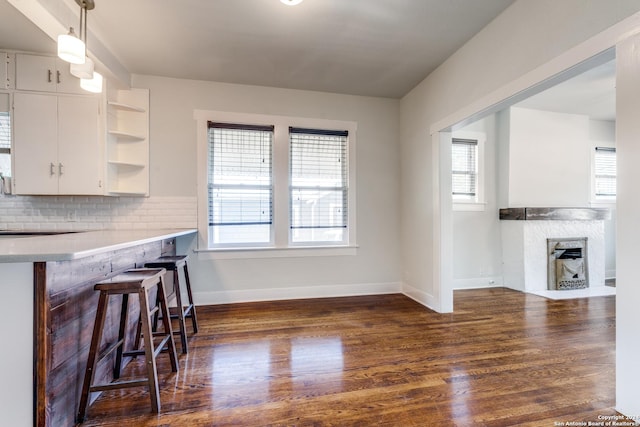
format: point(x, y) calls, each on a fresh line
point(110, 349)
point(119, 384)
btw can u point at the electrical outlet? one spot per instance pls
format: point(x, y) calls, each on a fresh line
point(71, 216)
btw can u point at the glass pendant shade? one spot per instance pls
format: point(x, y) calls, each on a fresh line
point(83, 71)
point(92, 85)
point(71, 48)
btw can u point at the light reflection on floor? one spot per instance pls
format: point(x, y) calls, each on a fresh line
point(315, 363)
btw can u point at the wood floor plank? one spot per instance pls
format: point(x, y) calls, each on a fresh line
point(503, 358)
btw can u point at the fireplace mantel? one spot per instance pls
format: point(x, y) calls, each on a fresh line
point(555, 214)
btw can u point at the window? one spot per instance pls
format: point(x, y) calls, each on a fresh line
point(5, 136)
point(605, 172)
point(318, 175)
point(464, 169)
point(273, 186)
point(240, 184)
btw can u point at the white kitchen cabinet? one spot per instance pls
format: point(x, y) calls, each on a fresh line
point(57, 149)
point(45, 74)
point(7, 70)
point(128, 142)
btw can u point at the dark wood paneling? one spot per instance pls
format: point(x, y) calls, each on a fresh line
point(65, 305)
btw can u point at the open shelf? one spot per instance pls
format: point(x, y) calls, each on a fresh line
point(127, 136)
point(127, 164)
point(126, 107)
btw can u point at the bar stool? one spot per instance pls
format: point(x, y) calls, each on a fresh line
point(180, 312)
point(140, 282)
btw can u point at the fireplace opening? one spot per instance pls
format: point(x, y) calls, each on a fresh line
point(567, 264)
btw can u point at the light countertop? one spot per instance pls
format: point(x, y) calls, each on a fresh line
point(61, 247)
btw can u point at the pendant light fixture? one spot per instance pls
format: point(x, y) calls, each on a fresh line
point(90, 80)
point(93, 84)
point(83, 70)
point(71, 48)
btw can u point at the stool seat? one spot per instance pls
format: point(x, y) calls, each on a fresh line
point(180, 312)
point(140, 282)
point(168, 262)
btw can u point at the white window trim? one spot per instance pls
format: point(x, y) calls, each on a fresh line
point(477, 203)
point(599, 200)
point(281, 246)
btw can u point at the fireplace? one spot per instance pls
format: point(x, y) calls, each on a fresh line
point(567, 263)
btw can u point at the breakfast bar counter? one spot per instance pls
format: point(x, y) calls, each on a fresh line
point(47, 287)
point(63, 246)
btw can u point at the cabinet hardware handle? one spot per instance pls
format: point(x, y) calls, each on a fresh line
point(50, 76)
point(58, 76)
point(60, 168)
point(52, 170)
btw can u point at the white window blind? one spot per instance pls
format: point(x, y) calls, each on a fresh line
point(319, 185)
point(5, 132)
point(240, 184)
point(5, 143)
point(464, 157)
point(605, 171)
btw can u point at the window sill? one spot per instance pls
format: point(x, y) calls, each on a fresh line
point(468, 206)
point(603, 202)
point(247, 253)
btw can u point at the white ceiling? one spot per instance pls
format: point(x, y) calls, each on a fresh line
point(18, 33)
point(362, 47)
point(592, 93)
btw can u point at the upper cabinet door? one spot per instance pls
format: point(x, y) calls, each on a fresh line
point(80, 157)
point(45, 74)
point(35, 149)
point(35, 72)
point(67, 82)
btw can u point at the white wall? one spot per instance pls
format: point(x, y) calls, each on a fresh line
point(375, 268)
point(549, 159)
point(628, 207)
point(527, 35)
point(477, 249)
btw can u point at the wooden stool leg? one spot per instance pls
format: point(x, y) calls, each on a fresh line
point(98, 325)
point(166, 323)
point(180, 309)
point(149, 351)
point(124, 316)
point(194, 319)
point(138, 337)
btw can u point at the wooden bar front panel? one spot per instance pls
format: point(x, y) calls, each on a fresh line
point(65, 307)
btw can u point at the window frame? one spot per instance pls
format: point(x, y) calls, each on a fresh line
point(7, 151)
point(596, 198)
point(477, 202)
point(211, 186)
point(282, 246)
point(344, 187)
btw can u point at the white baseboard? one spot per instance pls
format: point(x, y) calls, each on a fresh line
point(421, 297)
point(478, 282)
point(275, 294)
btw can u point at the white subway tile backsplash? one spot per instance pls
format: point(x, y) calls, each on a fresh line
point(71, 213)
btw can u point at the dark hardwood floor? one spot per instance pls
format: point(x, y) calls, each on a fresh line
point(503, 358)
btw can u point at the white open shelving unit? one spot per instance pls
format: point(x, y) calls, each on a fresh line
point(128, 142)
